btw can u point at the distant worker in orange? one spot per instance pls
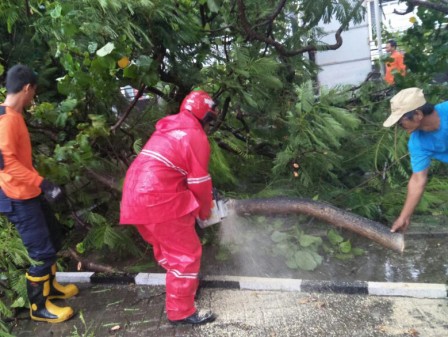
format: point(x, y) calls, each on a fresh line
point(396, 65)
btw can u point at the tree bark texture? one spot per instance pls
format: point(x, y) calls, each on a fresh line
point(326, 212)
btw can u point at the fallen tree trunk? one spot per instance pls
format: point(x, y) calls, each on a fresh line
point(328, 213)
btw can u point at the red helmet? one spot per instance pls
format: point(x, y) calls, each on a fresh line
point(198, 102)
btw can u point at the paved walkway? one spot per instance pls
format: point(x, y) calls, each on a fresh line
point(138, 310)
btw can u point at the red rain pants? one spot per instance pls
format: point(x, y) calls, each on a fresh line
point(177, 248)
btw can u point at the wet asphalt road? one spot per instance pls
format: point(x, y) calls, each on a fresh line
point(134, 311)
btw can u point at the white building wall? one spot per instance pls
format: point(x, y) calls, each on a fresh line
point(352, 62)
point(349, 64)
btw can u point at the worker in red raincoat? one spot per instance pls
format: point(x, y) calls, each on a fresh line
point(166, 188)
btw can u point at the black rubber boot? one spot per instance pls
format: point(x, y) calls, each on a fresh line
point(58, 290)
point(41, 308)
point(196, 319)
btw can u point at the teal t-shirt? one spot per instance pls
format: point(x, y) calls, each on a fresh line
point(424, 146)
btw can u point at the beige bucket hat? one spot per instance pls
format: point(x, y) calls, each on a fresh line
point(406, 100)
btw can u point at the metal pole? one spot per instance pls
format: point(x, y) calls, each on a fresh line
point(378, 34)
point(369, 20)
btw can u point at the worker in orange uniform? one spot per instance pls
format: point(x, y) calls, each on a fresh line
point(22, 192)
point(396, 65)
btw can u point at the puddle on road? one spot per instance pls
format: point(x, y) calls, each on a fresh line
point(247, 242)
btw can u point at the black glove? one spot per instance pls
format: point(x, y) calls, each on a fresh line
point(51, 191)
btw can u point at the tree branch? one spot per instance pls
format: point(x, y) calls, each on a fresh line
point(105, 181)
point(252, 35)
point(45, 130)
point(222, 115)
point(27, 8)
point(131, 106)
point(74, 213)
point(272, 17)
point(89, 265)
point(159, 93)
point(427, 4)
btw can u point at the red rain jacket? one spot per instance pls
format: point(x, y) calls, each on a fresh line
point(169, 178)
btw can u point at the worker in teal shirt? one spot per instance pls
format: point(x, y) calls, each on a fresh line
point(428, 128)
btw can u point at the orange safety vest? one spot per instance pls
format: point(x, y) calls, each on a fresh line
point(18, 178)
point(397, 64)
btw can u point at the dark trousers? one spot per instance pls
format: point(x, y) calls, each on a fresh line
point(38, 228)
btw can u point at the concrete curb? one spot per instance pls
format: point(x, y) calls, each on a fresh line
point(416, 290)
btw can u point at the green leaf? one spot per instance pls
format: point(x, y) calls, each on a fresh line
point(278, 223)
point(212, 6)
point(292, 263)
point(334, 237)
point(308, 240)
point(61, 120)
point(56, 12)
point(4, 310)
point(277, 236)
point(283, 249)
point(248, 98)
point(98, 121)
point(345, 247)
point(18, 303)
point(68, 104)
point(131, 71)
point(358, 251)
point(305, 260)
point(144, 62)
point(106, 49)
point(137, 146)
point(80, 248)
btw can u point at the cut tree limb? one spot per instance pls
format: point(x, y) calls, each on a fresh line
point(86, 264)
point(328, 213)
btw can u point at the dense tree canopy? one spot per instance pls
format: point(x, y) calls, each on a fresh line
point(252, 58)
point(277, 133)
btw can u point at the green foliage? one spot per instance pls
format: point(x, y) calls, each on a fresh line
point(85, 133)
point(340, 248)
point(302, 251)
point(104, 235)
point(426, 48)
point(13, 260)
point(316, 129)
point(299, 249)
point(220, 167)
point(87, 329)
point(284, 239)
